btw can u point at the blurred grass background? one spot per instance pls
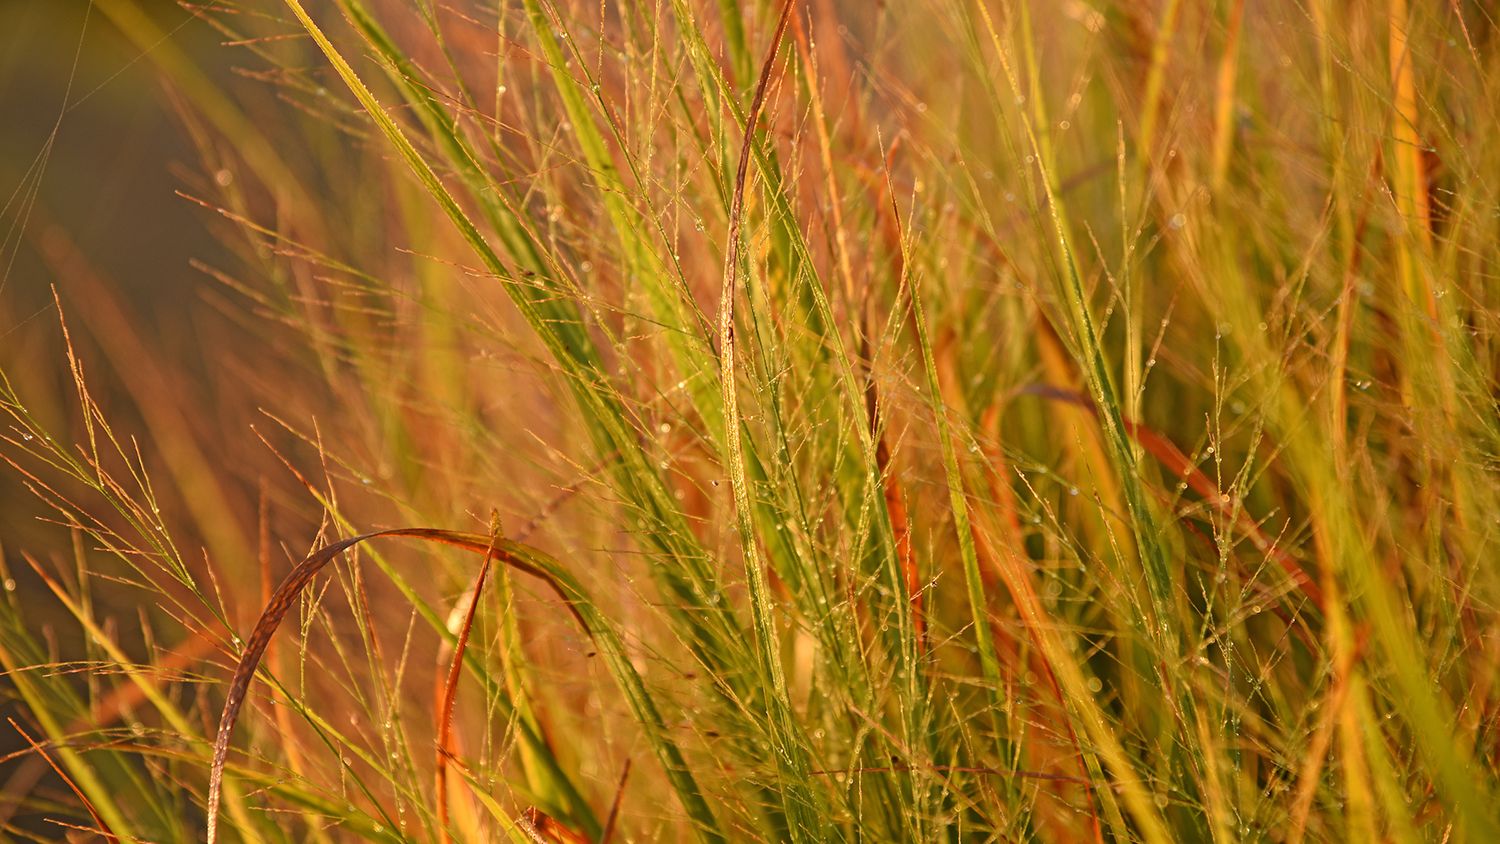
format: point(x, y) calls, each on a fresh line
point(1110, 455)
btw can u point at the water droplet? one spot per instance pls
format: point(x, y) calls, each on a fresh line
point(1178, 220)
point(1073, 490)
point(665, 427)
point(10, 584)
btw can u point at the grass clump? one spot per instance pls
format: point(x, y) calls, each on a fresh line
point(947, 420)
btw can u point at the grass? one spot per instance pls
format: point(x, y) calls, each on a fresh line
point(947, 420)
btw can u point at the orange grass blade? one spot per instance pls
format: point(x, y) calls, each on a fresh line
point(450, 692)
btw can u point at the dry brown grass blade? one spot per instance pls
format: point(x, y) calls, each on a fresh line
point(100, 826)
point(614, 807)
point(450, 693)
point(281, 602)
point(544, 829)
point(737, 217)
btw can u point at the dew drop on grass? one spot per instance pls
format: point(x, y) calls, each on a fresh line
point(1095, 686)
point(10, 585)
point(1161, 801)
point(1073, 490)
point(1210, 449)
point(1178, 220)
point(665, 427)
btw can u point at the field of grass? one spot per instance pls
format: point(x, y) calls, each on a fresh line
point(765, 420)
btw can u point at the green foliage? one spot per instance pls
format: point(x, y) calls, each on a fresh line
point(942, 420)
